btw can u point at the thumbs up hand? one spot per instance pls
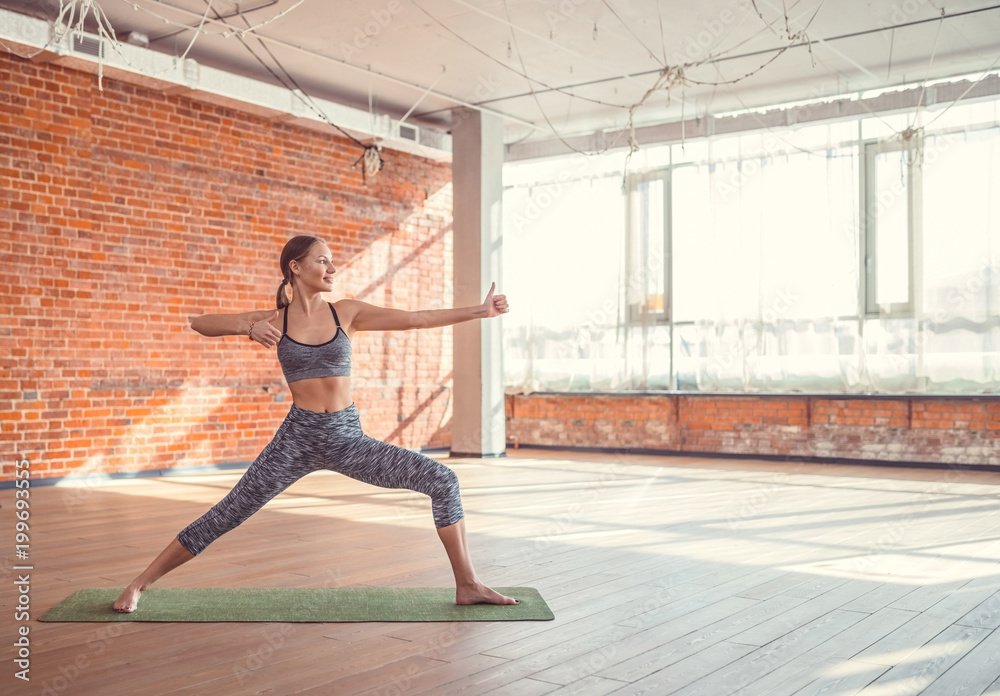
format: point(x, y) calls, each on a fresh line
point(495, 304)
point(263, 332)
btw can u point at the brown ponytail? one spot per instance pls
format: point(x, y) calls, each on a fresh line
point(281, 297)
point(296, 249)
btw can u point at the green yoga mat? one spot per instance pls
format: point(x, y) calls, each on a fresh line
point(303, 604)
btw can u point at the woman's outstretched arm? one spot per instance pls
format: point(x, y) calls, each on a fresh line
point(365, 317)
point(231, 324)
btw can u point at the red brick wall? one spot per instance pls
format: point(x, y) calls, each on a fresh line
point(936, 430)
point(126, 211)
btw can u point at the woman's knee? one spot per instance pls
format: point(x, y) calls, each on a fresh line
point(447, 476)
point(193, 543)
point(229, 513)
point(439, 481)
point(446, 499)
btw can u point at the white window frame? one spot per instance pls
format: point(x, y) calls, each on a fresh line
point(869, 227)
point(635, 313)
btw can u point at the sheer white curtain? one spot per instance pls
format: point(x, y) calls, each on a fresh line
point(759, 263)
point(563, 241)
point(955, 345)
point(766, 269)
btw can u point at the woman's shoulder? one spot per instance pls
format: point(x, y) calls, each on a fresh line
point(346, 306)
point(347, 310)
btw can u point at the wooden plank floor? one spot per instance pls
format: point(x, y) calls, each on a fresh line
point(667, 576)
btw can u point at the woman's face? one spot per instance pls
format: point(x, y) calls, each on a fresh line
point(316, 269)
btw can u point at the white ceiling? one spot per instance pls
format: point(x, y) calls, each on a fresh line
point(588, 60)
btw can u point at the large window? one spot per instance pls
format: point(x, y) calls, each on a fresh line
point(764, 258)
point(845, 258)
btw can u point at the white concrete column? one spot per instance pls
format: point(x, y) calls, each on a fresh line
point(478, 425)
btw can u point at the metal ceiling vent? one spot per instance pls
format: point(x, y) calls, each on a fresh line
point(407, 132)
point(88, 45)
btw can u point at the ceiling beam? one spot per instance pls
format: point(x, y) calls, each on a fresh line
point(890, 101)
point(761, 52)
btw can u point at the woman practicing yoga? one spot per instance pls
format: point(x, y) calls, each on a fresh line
point(322, 429)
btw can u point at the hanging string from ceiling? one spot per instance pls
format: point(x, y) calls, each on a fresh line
point(69, 20)
point(371, 154)
point(73, 14)
point(635, 36)
point(672, 77)
point(668, 79)
point(520, 73)
point(60, 27)
point(225, 34)
point(910, 137)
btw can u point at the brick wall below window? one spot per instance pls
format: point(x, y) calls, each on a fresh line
point(935, 430)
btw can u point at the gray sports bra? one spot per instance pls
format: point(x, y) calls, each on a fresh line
point(308, 360)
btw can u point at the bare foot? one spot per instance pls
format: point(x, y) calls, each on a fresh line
point(129, 598)
point(481, 594)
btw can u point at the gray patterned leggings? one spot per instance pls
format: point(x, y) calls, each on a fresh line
point(308, 441)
